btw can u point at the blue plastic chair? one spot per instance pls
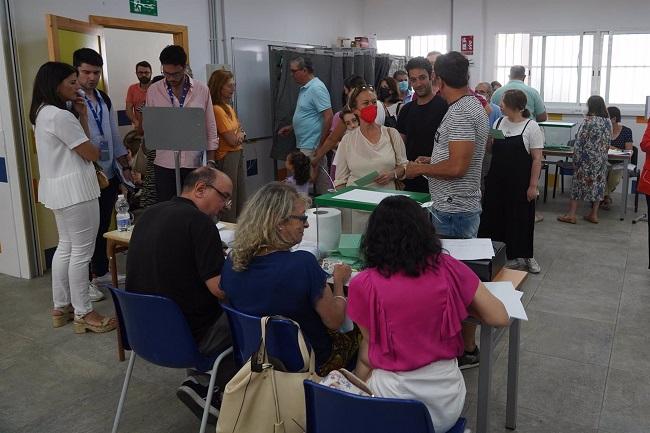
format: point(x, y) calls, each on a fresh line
point(332, 411)
point(281, 339)
point(154, 328)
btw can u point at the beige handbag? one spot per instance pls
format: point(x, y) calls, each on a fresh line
point(262, 398)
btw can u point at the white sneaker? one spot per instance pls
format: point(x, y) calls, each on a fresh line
point(95, 294)
point(533, 266)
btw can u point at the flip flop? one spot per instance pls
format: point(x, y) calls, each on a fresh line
point(590, 219)
point(566, 219)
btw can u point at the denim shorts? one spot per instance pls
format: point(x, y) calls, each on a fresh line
point(458, 224)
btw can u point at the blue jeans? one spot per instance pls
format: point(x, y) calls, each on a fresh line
point(458, 224)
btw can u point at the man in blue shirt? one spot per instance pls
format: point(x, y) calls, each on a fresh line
point(312, 119)
point(113, 157)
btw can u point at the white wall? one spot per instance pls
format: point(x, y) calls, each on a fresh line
point(309, 21)
point(391, 19)
point(121, 63)
point(14, 257)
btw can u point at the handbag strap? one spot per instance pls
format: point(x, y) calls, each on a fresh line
point(392, 144)
point(308, 356)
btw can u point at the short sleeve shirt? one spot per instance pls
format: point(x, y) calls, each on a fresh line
point(625, 136)
point(65, 177)
point(282, 283)
point(533, 135)
point(534, 103)
point(465, 120)
point(174, 249)
point(413, 321)
point(313, 99)
point(137, 97)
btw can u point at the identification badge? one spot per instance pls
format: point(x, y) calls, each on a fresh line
point(104, 151)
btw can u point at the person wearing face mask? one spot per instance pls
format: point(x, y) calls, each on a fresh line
point(388, 94)
point(402, 79)
point(370, 147)
point(136, 95)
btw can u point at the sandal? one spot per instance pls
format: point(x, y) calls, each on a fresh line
point(606, 204)
point(590, 219)
point(61, 316)
point(566, 219)
point(82, 326)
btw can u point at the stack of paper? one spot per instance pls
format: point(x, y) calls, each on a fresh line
point(469, 249)
point(364, 196)
point(505, 292)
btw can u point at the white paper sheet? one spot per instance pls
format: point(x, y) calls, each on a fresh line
point(227, 236)
point(220, 226)
point(505, 292)
point(469, 249)
point(373, 197)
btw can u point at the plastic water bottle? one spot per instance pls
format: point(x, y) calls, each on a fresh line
point(123, 217)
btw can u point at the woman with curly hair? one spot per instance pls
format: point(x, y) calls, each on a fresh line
point(262, 276)
point(409, 304)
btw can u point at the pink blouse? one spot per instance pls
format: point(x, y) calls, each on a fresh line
point(413, 322)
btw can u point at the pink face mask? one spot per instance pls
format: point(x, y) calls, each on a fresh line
point(369, 113)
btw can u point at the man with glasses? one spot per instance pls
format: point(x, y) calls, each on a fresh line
point(312, 119)
point(180, 90)
point(175, 251)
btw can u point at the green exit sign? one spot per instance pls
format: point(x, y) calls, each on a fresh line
point(144, 7)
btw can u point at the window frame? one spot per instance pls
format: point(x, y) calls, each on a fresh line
point(597, 68)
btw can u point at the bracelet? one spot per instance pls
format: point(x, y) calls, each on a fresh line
point(341, 297)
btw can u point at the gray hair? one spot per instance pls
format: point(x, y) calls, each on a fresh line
point(303, 63)
point(258, 224)
point(487, 85)
point(517, 72)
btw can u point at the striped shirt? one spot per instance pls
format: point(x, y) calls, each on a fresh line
point(465, 120)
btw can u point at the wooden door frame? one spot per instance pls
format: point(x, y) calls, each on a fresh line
point(180, 33)
point(55, 23)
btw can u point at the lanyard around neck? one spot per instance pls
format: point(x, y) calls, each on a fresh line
point(99, 118)
point(181, 100)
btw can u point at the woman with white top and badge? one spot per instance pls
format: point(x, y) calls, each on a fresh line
point(68, 186)
point(511, 183)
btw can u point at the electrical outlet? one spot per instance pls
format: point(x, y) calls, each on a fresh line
point(251, 167)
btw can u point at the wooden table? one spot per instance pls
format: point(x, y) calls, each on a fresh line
point(625, 158)
point(117, 241)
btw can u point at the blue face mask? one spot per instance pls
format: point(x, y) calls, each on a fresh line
point(403, 86)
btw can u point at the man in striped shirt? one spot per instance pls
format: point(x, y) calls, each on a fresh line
point(454, 167)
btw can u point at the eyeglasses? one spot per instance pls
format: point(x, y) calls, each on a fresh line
point(173, 75)
point(226, 197)
point(301, 218)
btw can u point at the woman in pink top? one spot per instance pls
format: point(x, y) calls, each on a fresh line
point(409, 303)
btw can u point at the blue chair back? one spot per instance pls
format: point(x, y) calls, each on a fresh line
point(332, 411)
point(154, 327)
point(281, 339)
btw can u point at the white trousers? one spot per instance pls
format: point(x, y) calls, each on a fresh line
point(439, 385)
point(77, 226)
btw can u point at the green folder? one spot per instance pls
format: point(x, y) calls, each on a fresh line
point(349, 245)
point(367, 179)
